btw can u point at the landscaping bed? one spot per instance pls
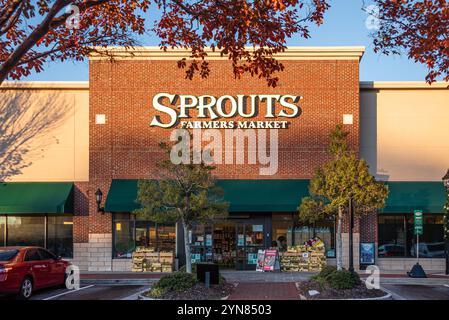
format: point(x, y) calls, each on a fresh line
point(333, 284)
point(184, 286)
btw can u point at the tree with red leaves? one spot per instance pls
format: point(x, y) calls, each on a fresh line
point(418, 28)
point(35, 32)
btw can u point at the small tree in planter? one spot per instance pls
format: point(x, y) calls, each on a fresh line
point(335, 182)
point(184, 193)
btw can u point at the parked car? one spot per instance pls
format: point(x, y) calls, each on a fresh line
point(429, 250)
point(391, 250)
point(26, 269)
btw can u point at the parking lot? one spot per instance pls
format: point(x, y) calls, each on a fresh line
point(418, 292)
point(89, 292)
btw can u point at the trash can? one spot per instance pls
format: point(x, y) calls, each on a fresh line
point(212, 268)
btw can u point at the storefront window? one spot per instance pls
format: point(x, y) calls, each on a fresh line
point(224, 244)
point(391, 236)
point(325, 230)
point(123, 235)
point(26, 231)
point(281, 224)
point(397, 239)
point(166, 237)
point(201, 243)
point(431, 243)
point(129, 233)
point(60, 235)
point(2, 231)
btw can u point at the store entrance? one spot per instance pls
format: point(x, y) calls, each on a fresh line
point(250, 239)
point(232, 243)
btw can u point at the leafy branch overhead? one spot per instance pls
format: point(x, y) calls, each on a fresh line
point(418, 29)
point(35, 32)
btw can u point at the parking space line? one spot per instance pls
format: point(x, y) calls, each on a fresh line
point(67, 292)
point(395, 296)
point(136, 295)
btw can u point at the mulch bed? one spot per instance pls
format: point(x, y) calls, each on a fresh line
point(200, 292)
point(359, 292)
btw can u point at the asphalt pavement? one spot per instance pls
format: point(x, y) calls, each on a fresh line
point(417, 292)
point(89, 292)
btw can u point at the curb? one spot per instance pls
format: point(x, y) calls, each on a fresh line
point(387, 296)
point(125, 282)
point(142, 297)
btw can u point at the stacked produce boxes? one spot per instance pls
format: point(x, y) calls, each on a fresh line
point(147, 260)
point(311, 258)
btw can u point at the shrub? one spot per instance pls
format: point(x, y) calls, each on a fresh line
point(343, 279)
point(326, 272)
point(183, 268)
point(156, 292)
point(177, 281)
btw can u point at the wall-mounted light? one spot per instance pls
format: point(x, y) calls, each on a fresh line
point(99, 199)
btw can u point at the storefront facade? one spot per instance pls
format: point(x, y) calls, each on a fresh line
point(109, 141)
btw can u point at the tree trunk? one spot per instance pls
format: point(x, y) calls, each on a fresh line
point(339, 240)
point(187, 247)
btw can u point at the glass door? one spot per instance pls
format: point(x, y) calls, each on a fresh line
point(250, 239)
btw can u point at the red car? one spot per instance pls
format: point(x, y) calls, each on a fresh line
point(25, 269)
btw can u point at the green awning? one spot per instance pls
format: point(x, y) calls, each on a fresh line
point(405, 197)
point(264, 195)
point(243, 195)
point(36, 197)
point(122, 196)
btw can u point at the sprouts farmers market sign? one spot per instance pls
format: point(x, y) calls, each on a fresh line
point(176, 109)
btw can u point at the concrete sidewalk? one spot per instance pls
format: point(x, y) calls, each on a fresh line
point(148, 278)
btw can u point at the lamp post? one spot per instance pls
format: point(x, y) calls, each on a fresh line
point(446, 221)
point(98, 199)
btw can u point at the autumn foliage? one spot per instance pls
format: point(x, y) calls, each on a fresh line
point(417, 28)
point(34, 32)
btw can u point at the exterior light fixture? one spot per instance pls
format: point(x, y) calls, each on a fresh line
point(99, 199)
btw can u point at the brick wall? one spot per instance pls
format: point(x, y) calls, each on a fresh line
point(126, 147)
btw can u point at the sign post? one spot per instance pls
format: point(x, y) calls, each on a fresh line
point(418, 228)
point(417, 271)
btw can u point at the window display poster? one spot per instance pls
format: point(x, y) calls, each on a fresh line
point(271, 256)
point(252, 258)
point(260, 260)
point(367, 253)
point(257, 228)
point(195, 257)
point(208, 240)
point(241, 240)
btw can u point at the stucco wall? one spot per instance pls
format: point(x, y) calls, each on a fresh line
point(45, 126)
point(404, 130)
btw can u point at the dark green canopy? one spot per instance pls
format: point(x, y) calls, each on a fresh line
point(243, 195)
point(36, 197)
point(405, 197)
point(285, 196)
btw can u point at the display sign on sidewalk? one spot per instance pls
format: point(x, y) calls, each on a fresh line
point(418, 222)
point(367, 253)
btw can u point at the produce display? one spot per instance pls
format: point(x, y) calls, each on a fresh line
point(146, 259)
point(311, 256)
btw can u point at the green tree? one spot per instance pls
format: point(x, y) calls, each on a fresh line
point(184, 193)
point(335, 182)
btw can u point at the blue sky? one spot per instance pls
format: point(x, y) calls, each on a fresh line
point(344, 26)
